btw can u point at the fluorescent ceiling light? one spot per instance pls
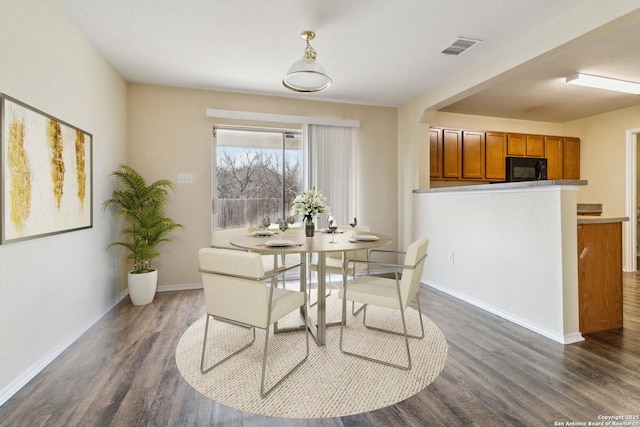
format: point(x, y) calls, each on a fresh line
point(604, 83)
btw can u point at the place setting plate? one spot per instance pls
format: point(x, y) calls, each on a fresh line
point(278, 243)
point(364, 238)
point(262, 233)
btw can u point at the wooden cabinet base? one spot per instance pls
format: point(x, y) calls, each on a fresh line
point(600, 276)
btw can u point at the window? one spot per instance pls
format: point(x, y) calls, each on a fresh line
point(257, 173)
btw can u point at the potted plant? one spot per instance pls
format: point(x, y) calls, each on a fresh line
point(143, 207)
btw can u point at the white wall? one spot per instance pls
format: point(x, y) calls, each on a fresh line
point(53, 288)
point(514, 253)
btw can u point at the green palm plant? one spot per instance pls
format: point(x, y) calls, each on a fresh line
point(143, 206)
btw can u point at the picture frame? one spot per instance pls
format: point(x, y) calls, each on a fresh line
point(46, 174)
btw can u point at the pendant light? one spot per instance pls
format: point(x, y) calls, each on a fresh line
point(306, 75)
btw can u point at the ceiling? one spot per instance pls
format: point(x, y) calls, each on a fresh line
point(376, 52)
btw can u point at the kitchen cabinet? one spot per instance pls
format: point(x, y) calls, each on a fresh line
point(516, 144)
point(534, 146)
point(495, 152)
point(522, 145)
point(451, 153)
point(435, 152)
point(563, 157)
point(554, 148)
point(481, 155)
point(599, 276)
point(571, 164)
point(473, 147)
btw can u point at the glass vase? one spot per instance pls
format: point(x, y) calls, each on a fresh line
point(309, 228)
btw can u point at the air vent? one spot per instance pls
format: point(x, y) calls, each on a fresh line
point(460, 45)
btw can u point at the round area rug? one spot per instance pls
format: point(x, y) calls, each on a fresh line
point(329, 383)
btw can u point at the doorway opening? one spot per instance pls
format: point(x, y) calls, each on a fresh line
point(631, 232)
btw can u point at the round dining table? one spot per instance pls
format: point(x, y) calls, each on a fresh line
point(295, 241)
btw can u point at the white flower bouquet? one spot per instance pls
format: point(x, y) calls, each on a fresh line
point(309, 204)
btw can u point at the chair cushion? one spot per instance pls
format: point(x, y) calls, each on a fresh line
point(373, 290)
point(238, 299)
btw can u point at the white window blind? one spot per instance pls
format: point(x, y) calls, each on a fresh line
point(332, 148)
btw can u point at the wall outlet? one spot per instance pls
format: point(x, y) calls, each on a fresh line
point(185, 178)
point(450, 257)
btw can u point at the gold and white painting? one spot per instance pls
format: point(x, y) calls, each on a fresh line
point(46, 174)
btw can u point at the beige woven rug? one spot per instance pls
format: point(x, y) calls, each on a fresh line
point(329, 383)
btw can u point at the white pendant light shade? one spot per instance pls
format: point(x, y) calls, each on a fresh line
point(306, 75)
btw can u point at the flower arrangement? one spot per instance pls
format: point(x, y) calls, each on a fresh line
point(309, 204)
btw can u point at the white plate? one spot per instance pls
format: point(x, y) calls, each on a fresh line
point(277, 242)
point(364, 238)
point(263, 233)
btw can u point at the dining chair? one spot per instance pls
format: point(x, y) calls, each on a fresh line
point(238, 291)
point(390, 293)
point(333, 263)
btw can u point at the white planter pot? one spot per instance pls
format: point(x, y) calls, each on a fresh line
point(142, 287)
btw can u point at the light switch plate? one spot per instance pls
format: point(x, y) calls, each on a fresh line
point(185, 178)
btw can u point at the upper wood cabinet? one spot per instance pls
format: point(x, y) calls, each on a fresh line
point(435, 152)
point(535, 146)
point(522, 145)
point(554, 148)
point(571, 158)
point(473, 155)
point(516, 144)
point(494, 153)
point(481, 156)
point(563, 157)
point(451, 153)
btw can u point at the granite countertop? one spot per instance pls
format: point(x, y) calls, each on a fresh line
point(504, 186)
point(600, 220)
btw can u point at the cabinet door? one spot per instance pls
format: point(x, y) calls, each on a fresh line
point(599, 276)
point(571, 158)
point(535, 145)
point(472, 155)
point(495, 152)
point(451, 153)
point(435, 152)
point(516, 144)
point(554, 149)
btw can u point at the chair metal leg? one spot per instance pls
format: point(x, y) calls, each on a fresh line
point(264, 393)
point(204, 347)
point(353, 308)
point(364, 322)
point(404, 328)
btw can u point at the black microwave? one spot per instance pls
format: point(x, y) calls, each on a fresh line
point(526, 169)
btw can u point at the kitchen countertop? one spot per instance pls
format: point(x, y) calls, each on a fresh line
point(599, 220)
point(503, 186)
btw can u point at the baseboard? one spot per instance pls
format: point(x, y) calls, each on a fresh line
point(14, 386)
point(562, 339)
point(172, 288)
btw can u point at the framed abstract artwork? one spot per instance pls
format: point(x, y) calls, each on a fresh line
point(46, 174)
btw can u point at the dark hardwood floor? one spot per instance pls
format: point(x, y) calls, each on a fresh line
point(122, 372)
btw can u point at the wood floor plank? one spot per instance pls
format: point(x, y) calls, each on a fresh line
point(122, 372)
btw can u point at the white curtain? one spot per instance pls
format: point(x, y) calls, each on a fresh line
point(332, 170)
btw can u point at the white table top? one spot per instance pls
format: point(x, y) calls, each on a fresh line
point(320, 242)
